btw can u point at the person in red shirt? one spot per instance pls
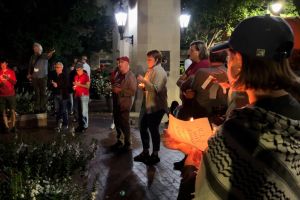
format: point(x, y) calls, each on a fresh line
point(81, 87)
point(7, 94)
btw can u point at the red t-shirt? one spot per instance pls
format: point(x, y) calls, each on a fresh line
point(7, 87)
point(82, 79)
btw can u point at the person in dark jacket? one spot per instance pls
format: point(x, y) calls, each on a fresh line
point(37, 73)
point(123, 88)
point(59, 85)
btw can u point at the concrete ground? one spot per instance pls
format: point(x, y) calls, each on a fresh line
point(119, 177)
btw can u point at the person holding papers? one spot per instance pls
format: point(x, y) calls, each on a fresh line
point(255, 153)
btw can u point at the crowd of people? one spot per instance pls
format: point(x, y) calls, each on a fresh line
point(250, 98)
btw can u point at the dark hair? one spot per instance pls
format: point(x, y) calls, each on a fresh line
point(266, 74)
point(202, 48)
point(156, 55)
point(3, 59)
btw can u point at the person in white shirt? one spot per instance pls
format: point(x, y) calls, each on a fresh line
point(86, 66)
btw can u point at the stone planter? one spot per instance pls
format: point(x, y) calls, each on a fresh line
point(32, 120)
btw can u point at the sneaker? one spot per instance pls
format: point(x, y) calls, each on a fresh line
point(153, 159)
point(142, 157)
point(112, 126)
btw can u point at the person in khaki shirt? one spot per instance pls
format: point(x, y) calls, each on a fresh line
point(154, 106)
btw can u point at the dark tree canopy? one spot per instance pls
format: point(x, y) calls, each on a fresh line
point(72, 27)
point(213, 20)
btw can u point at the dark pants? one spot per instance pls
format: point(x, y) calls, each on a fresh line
point(121, 120)
point(39, 86)
point(61, 110)
point(190, 109)
point(151, 121)
point(187, 183)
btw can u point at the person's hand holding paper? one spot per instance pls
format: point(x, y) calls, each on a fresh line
point(194, 133)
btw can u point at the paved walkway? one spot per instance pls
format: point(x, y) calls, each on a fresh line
point(118, 176)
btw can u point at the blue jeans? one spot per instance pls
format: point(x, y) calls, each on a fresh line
point(61, 111)
point(71, 103)
point(81, 105)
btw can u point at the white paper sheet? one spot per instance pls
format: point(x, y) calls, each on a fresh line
point(195, 133)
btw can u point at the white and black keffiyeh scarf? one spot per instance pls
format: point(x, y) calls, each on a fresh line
point(254, 155)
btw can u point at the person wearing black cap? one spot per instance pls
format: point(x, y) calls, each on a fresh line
point(123, 91)
point(255, 153)
point(7, 94)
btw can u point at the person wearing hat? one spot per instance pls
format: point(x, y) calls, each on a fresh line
point(81, 85)
point(123, 91)
point(255, 153)
point(7, 94)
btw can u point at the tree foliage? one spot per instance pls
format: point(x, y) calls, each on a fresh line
point(214, 20)
point(71, 27)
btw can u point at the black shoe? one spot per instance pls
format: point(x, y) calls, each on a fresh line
point(180, 164)
point(153, 159)
point(142, 157)
point(79, 129)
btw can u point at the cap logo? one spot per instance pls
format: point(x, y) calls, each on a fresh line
point(260, 52)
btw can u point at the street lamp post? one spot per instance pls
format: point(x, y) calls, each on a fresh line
point(121, 19)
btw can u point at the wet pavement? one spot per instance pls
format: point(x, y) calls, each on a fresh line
point(117, 175)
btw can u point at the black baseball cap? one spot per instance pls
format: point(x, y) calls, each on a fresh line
point(264, 37)
point(79, 65)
